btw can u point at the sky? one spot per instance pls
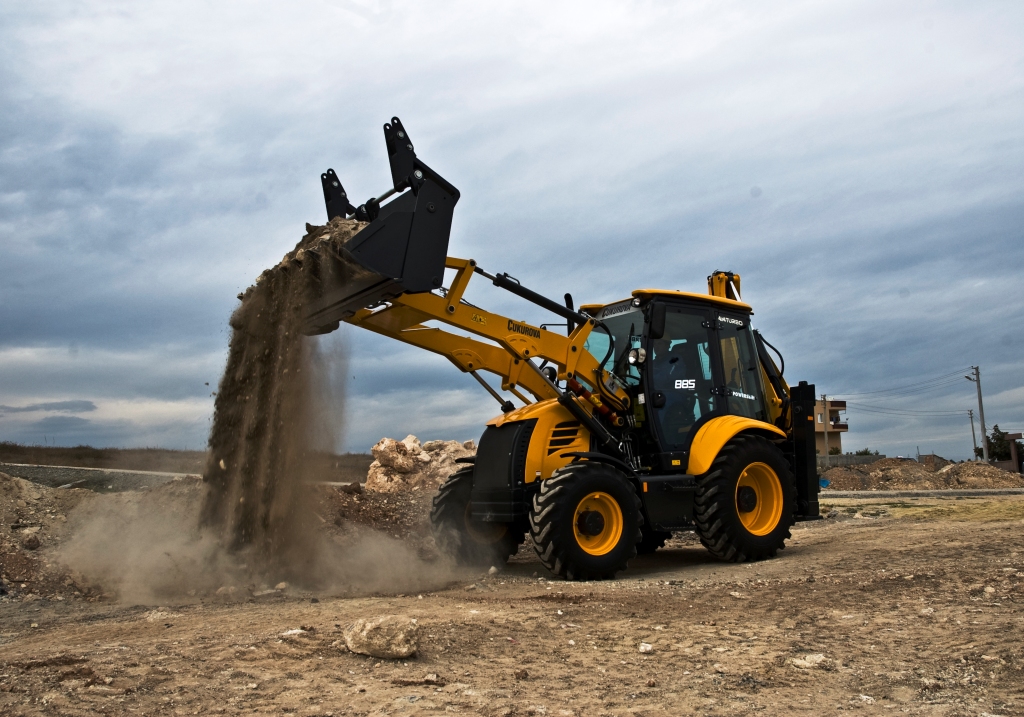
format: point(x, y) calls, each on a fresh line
point(860, 165)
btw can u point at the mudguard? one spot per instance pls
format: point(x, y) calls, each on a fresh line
point(717, 432)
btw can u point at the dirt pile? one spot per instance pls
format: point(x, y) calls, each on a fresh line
point(69, 543)
point(269, 421)
point(407, 465)
point(33, 521)
point(908, 474)
point(146, 546)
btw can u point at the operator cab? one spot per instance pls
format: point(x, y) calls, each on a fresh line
point(685, 359)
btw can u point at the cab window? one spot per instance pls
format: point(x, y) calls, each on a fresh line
point(626, 329)
point(740, 368)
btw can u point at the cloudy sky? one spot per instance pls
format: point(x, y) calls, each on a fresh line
point(860, 164)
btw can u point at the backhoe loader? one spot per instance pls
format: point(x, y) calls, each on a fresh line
point(662, 412)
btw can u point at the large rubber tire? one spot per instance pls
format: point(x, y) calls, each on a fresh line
point(651, 540)
point(726, 524)
point(558, 521)
point(468, 541)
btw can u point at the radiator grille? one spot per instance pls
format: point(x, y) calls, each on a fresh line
point(563, 435)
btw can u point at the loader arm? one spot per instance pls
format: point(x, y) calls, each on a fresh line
point(404, 317)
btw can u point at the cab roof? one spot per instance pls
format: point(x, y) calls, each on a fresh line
point(648, 294)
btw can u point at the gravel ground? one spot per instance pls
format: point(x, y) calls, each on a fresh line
point(889, 606)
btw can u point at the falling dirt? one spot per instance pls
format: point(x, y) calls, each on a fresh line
point(268, 421)
point(264, 518)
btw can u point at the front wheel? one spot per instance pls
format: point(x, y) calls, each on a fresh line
point(744, 505)
point(585, 521)
point(468, 541)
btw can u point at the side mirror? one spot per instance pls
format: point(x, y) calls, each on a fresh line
point(657, 329)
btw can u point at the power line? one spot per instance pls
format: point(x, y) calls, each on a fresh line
point(911, 391)
point(867, 408)
point(926, 385)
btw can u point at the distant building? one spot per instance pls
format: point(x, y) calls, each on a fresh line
point(932, 461)
point(837, 426)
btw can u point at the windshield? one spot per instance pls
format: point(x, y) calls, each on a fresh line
point(626, 325)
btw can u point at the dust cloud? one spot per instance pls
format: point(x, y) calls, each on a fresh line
point(251, 524)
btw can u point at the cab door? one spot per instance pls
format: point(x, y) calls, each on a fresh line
point(741, 389)
point(680, 381)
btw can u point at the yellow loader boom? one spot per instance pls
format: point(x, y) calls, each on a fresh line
point(664, 411)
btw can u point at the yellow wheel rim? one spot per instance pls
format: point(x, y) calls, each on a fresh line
point(768, 489)
point(611, 523)
point(481, 531)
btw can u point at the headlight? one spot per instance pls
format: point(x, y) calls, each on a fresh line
point(637, 356)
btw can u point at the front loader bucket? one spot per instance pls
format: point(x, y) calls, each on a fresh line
point(403, 248)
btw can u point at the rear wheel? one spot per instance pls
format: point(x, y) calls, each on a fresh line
point(744, 505)
point(468, 541)
point(585, 521)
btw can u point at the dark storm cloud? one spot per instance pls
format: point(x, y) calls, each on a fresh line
point(60, 425)
point(156, 158)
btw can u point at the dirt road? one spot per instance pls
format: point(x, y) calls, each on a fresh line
point(900, 607)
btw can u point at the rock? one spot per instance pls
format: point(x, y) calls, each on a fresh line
point(521, 674)
point(408, 465)
point(492, 570)
point(281, 586)
point(652, 683)
point(390, 636)
point(814, 661)
point(30, 542)
point(395, 455)
point(432, 679)
point(808, 661)
point(646, 647)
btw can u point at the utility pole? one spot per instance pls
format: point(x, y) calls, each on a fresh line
point(974, 437)
point(824, 422)
point(981, 411)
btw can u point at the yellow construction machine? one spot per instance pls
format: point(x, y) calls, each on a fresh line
point(661, 412)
